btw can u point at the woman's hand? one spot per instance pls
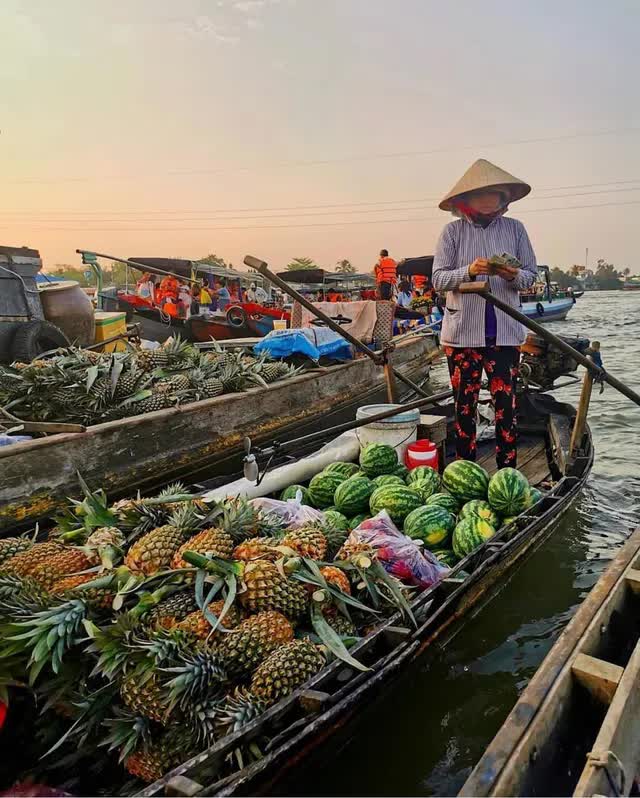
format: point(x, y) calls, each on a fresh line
point(479, 266)
point(507, 272)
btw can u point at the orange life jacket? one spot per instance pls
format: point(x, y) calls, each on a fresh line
point(419, 280)
point(386, 271)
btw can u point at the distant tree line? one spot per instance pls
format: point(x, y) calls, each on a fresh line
point(605, 277)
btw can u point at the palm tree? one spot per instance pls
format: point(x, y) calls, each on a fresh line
point(345, 266)
point(301, 263)
point(626, 271)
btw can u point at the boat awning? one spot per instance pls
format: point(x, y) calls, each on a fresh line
point(423, 265)
point(318, 277)
point(183, 268)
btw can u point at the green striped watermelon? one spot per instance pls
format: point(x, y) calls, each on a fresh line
point(469, 534)
point(535, 495)
point(481, 509)
point(337, 519)
point(346, 469)
point(397, 500)
point(445, 557)
point(430, 524)
point(322, 487)
point(423, 472)
point(378, 458)
point(466, 480)
point(357, 520)
point(292, 490)
point(387, 479)
point(401, 471)
point(423, 488)
point(352, 496)
point(509, 492)
point(445, 500)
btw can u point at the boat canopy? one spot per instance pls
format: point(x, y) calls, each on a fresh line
point(410, 267)
point(185, 268)
point(319, 277)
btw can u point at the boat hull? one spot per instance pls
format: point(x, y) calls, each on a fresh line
point(551, 311)
point(143, 451)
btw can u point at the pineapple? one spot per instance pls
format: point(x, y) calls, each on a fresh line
point(239, 708)
point(157, 401)
point(173, 385)
point(101, 392)
point(129, 383)
point(26, 562)
point(252, 641)
point(337, 578)
point(341, 624)
point(138, 517)
point(285, 669)
point(307, 541)
point(257, 549)
point(266, 588)
point(144, 695)
point(9, 547)
point(214, 542)
point(211, 388)
point(154, 551)
point(197, 624)
point(357, 552)
point(232, 378)
point(156, 757)
point(271, 372)
point(63, 563)
point(150, 359)
point(171, 610)
point(242, 521)
point(97, 597)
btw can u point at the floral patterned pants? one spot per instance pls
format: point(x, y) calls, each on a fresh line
point(465, 369)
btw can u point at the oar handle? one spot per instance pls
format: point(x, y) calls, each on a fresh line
point(480, 287)
point(550, 338)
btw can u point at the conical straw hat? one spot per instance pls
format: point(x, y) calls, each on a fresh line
point(484, 174)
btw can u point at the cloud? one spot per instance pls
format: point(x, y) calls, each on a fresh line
point(248, 6)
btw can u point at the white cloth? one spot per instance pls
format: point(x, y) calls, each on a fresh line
point(363, 316)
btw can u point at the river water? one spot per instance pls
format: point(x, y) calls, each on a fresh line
point(424, 734)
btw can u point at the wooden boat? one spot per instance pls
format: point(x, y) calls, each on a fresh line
point(143, 451)
point(576, 728)
point(302, 723)
point(543, 310)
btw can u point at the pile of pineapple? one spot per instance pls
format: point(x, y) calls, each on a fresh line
point(149, 629)
point(86, 387)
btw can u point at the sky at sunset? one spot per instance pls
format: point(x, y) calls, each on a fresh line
point(319, 128)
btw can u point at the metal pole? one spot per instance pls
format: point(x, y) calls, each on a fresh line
point(140, 266)
point(481, 288)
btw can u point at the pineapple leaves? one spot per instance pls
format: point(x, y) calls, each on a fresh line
point(332, 640)
point(115, 372)
point(92, 376)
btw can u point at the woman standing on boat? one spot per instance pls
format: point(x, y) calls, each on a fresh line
point(475, 335)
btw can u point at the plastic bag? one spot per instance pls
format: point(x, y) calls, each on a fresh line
point(401, 556)
point(291, 514)
point(313, 343)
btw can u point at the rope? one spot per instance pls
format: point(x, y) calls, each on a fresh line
point(606, 759)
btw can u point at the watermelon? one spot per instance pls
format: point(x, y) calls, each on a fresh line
point(357, 520)
point(337, 520)
point(352, 496)
point(346, 469)
point(401, 471)
point(397, 500)
point(445, 557)
point(322, 487)
point(424, 472)
point(430, 524)
point(466, 480)
point(470, 533)
point(378, 458)
point(509, 492)
point(357, 475)
point(387, 479)
point(423, 488)
point(445, 500)
point(481, 509)
point(535, 496)
point(292, 490)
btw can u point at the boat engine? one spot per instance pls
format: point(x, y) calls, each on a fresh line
point(542, 363)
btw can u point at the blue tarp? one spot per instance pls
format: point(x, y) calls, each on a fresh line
point(48, 278)
point(311, 342)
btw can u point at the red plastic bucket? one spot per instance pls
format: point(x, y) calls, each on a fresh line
point(421, 453)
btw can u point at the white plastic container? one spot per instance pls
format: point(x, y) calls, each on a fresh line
point(397, 431)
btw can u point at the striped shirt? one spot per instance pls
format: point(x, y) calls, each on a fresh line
point(460, 243)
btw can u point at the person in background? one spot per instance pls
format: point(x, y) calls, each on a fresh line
point(169, 288)
point(368, 293)
point(332, 295)
point(223, 296)
point(204, 298)
point(385, 273)
point(404, 295)
point(257, 294)
point(184, 301)
point(145, 287)
point(475, 335)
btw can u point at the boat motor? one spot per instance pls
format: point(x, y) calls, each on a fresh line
point(542, 363)
point(250, 467)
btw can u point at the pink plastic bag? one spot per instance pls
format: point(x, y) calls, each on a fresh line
point(400, 555)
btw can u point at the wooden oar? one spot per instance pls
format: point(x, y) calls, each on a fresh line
point(380, 358)
point(482, 289)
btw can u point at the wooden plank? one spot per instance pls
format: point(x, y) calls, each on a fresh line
point(560, 435)
point(633, 579)
point(580, 421)
point(599, 677)
point(506, 762)
point(620, 734)
point(182, 786)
